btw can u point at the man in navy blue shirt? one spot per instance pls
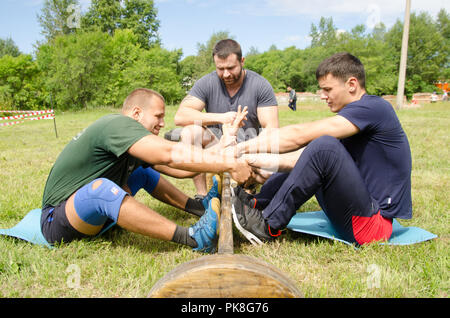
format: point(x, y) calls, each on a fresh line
point(357, 164)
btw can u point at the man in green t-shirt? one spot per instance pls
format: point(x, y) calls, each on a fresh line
point(93, 181)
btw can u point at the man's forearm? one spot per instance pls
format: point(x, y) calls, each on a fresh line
point(176, 173)
point(191, 158)
point(274, 162)
point(277, 140)
point(188, 116)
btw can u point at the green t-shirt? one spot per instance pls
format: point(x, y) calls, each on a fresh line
point(100, 151)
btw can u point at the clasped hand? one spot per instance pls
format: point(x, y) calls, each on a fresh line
point(228, 144)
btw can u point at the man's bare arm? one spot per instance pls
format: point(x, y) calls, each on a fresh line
point(176, 173)
point(158, 151)
point(294, 137)
point(268, 116)
point(265, 164)
point(191, 112)
point(274, 162)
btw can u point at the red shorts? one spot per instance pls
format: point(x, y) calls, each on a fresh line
point(369, 229)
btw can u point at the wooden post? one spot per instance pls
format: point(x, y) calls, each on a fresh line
point(54, 115)
point(54, 125)
point(226, 223)
point(404, 57)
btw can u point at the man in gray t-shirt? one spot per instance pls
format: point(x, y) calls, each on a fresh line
point(220, 93)
point(255, 93)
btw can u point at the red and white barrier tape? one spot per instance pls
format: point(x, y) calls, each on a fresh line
point(27, 111)
point(11, 123)
point(51, 115)
point(20, 116)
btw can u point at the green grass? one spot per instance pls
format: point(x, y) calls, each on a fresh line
point(123, 264)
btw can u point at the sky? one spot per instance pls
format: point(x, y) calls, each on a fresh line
point(253, 23)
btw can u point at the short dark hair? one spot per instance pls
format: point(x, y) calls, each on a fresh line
point(138, 96)
point(225, 48)
point(342, 66)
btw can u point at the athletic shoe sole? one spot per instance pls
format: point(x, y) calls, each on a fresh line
point(248, 235)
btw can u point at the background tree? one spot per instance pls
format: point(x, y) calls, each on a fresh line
point(104, 15)
point(443, 26)
point(117, 49)
point(428, 53)
point(194, 67)
point(130, 67)
point(156, 68)
point(374, 53)
point(96, 69)
point(271, 65)
point(140, 16)
point(75, 68)
point(188, 72)
point(8, 47)
point(205, 62)
point(252, 51)
point(54, 17)
point(121, 52)
point(324, 34)
point(19, 83)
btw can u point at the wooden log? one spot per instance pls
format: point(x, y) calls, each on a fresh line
point(225, 276)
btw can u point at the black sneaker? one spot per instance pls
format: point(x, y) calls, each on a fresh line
point(247, 198)
point(250, 222)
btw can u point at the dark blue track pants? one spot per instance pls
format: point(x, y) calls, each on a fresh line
point(325, 169)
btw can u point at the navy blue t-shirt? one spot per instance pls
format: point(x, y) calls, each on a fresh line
point(382, 154)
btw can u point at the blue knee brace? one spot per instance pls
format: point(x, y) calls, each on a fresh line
point(95, 206)
point(141, 178)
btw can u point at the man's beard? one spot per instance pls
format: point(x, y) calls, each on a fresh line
point(234, 79)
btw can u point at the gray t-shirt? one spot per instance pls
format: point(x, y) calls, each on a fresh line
point(255, 92)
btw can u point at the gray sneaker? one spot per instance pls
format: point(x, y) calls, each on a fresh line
point(250, 222)
point(174, 134)
point(245, 197)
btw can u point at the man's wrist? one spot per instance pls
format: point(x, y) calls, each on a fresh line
point(240, 149)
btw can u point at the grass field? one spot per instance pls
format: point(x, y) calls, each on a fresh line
point(123, 264)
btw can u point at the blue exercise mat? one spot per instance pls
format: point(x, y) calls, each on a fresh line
point(29, 229)
point(318, 224)
point(314, 223)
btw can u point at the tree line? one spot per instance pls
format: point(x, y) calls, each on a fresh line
point(97, 57)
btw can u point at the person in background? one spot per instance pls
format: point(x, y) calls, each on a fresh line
point(445, 96)
point(292, 98)
point(434, 97)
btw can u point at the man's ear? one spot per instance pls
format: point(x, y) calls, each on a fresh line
point(353, 84)
point(136, 112)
